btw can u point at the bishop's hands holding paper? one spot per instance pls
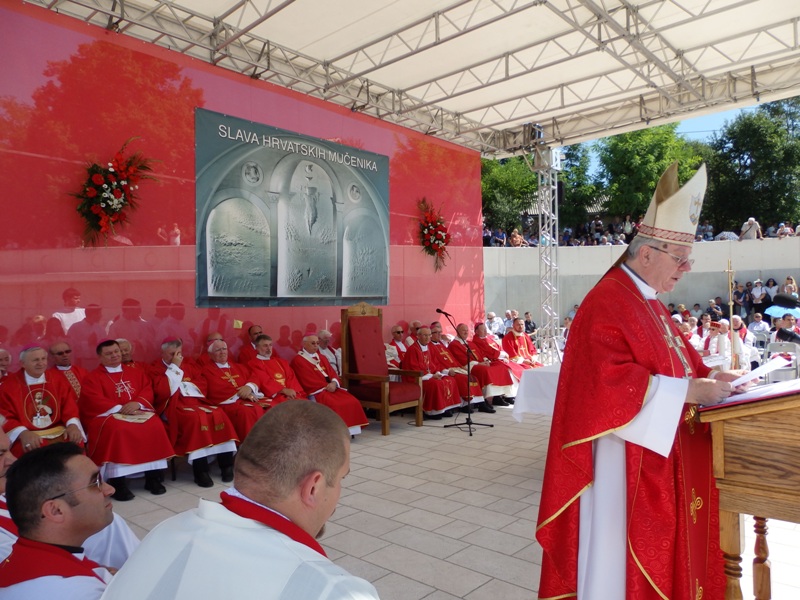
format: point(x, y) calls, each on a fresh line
point(629, 507)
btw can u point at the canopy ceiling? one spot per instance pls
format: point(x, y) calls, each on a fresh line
point(493, 75)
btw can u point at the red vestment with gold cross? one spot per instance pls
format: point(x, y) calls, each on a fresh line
point(314, 372)
point(519, 347)
point(439, 395)
point(112, 436)
point(448, 361)
point(192, 423)
point(272, 376)
point(618, 342)
point(223, 383)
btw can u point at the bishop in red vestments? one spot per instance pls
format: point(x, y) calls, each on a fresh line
point(439, 390)
point(195, 427)
point(273, 375)
point(321, 383)
point(455, 370)
point(489, 349)
point(519, 347)
point(125, 434)
point(228, 386)
point(629, 505)
point(39, 408)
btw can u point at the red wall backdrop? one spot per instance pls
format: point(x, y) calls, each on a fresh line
point(72, 93)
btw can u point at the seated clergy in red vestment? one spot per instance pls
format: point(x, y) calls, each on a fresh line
point(439, 390)
point(248, 350)
point(125, 434)
point(519, 347)
point(196, 429)
point(39, 407)
point(494, 378)
point(62, 354)
point(398, 345)
point(455, 370)
point(321, 383)
point(228, 385)
point(273, 375)
point(489, 349)
point(629, 506)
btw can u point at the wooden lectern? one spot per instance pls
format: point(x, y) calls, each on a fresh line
point(756, 454)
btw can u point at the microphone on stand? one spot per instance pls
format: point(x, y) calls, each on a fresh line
point(442, 312)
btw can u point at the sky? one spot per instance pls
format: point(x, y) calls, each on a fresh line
point(702, 128)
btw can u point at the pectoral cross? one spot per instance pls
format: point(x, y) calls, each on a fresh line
point(230, 379)
point(675, 342)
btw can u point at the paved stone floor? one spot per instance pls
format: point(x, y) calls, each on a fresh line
point(436, 514)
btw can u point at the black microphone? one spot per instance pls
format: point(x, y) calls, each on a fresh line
point(787, 335)
point(786, 301)
point(441, 312)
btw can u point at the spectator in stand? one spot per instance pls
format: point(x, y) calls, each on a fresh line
point(499, 238)
point(530, 325)
point(495, 324)
point(790, 286)
point(707, 231)
point(487, 236)
point(751, 230)
point(772, 288)
point(714, 310)
point(515, 240)
point(628, 227)
point(758, 325)
point(759, 296)
point(784, 231)
point(790, 322)
point(697, 311)
point(772, 231)
point(741, 300)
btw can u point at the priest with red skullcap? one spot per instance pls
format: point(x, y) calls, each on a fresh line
point(629, 506)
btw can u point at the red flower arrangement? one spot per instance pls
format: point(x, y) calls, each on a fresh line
point(108, 194)
point(433, 235)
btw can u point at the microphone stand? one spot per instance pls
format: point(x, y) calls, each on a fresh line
point(468, 422)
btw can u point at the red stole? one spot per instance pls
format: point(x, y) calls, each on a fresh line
point(31, 560)
point(271, 519)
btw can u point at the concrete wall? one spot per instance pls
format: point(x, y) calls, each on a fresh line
point(511, 275)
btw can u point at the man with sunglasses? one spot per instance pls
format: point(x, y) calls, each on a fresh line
point(61, 355)
point(39, 407)
point(626, 457)
point(56, 499)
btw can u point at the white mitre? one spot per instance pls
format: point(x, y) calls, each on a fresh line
point(674, 211)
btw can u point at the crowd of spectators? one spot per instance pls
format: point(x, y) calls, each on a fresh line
point(619, 231)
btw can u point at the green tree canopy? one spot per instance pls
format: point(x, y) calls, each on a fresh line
point(507, 188)
point(755, 168)
point(631, 164)
point(580, 191)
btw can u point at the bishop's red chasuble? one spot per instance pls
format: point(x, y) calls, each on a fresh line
point(222, 383)
point(119, 438)
point(446, 360)
point(192, 423)
point(618, 342)
point(439, 395)
point(488, 347)
point(314, 372)
point(520, 346)
point(274, 375)
point(485, 373)
point(41, 408)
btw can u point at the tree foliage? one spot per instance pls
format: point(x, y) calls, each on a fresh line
point(507, 188)
point(631, 164)
point(580, 191)
point(755, 167)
